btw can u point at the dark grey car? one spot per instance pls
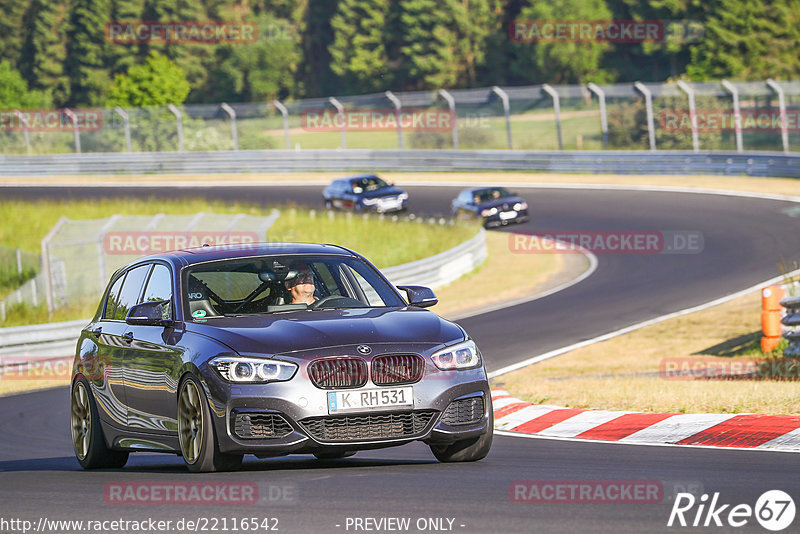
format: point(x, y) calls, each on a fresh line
point(217, 352)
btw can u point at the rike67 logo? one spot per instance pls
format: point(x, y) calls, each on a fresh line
point(774, 510)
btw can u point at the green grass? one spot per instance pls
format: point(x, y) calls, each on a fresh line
point(382, 240)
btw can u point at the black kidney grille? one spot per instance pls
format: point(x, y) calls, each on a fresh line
point(338, 372)
point(464, 411)
point(368, 427)
point(397, 369)
point(260, 425)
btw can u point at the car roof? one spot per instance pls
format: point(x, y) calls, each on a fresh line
point(222, 252)
point(359, 177)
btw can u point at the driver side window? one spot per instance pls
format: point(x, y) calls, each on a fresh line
point(159, 287)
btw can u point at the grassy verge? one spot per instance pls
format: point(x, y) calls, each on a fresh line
point(383, 240)
point(628, 372)
point(504, 276)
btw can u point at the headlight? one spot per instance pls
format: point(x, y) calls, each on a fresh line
point(402, 196)
point(519, 206)
point(370, 201)
point(239, 369)
point(464, 355)
point(489, 212)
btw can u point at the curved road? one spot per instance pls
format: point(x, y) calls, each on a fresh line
point(744, 239)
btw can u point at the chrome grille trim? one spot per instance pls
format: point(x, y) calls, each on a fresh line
point(340, 372)
point(397, 369)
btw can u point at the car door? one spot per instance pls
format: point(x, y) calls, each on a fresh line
point(153, 362)
point(105, 375)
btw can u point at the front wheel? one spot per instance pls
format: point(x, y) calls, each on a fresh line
point(87, 435)
point(196, 434)
point(466, 450)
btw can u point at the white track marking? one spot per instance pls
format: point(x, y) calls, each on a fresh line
point(580, 423)
point(677, 427)
point(513, 420)
point(790, 440)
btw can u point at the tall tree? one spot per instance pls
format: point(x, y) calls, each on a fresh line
point(88, 52)
point(430, 49)
point(11, 30)
point(315, 77)
point(567, 60)
point(745, 40)
point(44, 49)
point(358, 50)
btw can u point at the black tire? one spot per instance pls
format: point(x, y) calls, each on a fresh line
point(203, 456)
point(334, 455)
point(467, 450)
point(87, 432)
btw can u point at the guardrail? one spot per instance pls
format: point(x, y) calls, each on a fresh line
point(270, 161)
point(792, 319)
point(55, 340)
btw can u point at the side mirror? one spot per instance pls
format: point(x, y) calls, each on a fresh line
point(419, 296)
point(149, 314)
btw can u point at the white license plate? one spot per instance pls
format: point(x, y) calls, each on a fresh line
point(390, 204)
point(505, 215)
point(370, 399)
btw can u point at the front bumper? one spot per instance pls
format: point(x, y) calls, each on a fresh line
point(298, 403)
point(500, 220)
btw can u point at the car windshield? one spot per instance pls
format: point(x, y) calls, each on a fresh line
point(271, 284)
point(367, 184)
point(493, 193)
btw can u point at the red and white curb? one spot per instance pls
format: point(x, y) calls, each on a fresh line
point(743, 431)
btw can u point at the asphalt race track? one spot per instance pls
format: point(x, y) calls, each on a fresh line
point(744, 239)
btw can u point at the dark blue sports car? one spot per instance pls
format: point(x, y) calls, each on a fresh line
point(272, 349)
point(365, 192)
point(495, 205)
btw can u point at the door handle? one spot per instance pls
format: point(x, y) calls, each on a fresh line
point(128, 337)
point(97, 331)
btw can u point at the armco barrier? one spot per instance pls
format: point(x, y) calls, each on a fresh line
point(792, 319)
point(265, 161)
point(51, 340)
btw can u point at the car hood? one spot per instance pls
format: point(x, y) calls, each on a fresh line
point(287, 332)
point(383, 192)
point(500, 202)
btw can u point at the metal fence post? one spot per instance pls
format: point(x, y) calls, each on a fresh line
point(397, 107)
point(46, 265)
point(601, 97)
point(179, 125)
point(557, 109)
point(737, 113)
point(19, 262)
point(25, 134)
point(126, 127)
point(648, 102)
point(68, 112)
point(507, 112)
point(782, 104)
point(686, 88)
point(451, 103)
point(285, 113)
point(232, 114)
point(340, 110)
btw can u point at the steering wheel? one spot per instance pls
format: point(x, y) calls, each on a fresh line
point(339, 302)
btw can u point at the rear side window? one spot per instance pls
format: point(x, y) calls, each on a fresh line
point(131, 290)
point(113, 298)
point(159, 287)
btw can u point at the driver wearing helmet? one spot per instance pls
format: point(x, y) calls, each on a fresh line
point(301, 286)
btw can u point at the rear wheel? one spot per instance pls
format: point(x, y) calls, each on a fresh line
point(196, 434)
point(87, 435)
point(467, 450)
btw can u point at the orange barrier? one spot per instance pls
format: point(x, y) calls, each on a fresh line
point(771, 313)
